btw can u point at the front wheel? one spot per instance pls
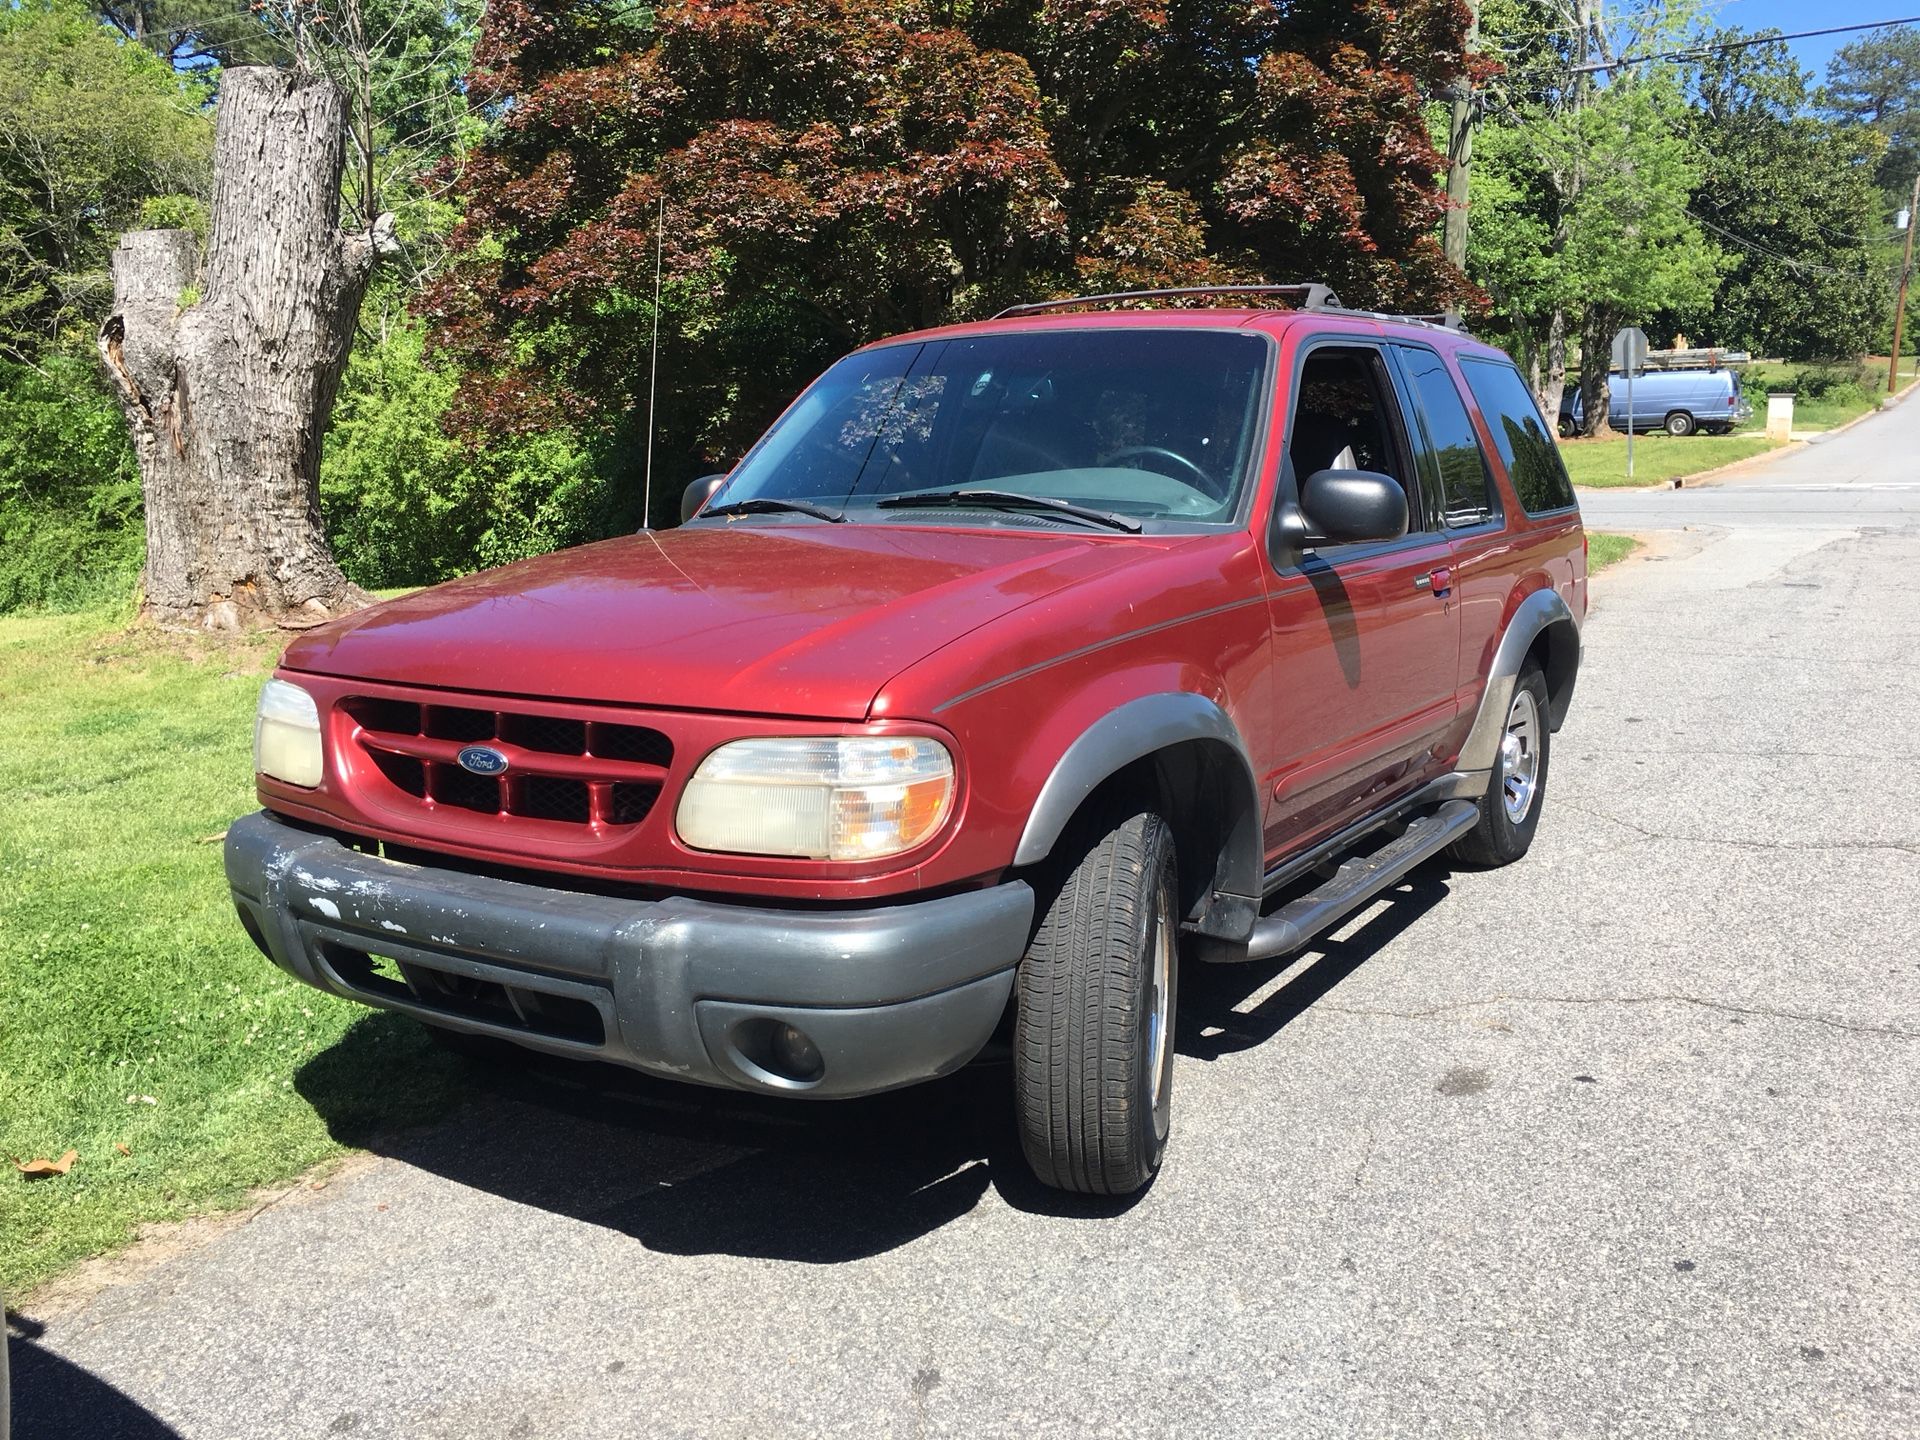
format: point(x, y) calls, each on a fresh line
point(1680, 423)
point(1510, 810)
point(1093, 1038)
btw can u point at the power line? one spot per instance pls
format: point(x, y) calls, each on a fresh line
point(1792, 263)
point(1698, 51)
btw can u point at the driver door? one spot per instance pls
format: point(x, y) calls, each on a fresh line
point(1366, 636)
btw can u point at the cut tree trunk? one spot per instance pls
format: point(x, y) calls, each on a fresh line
point(1556, 386)
point(227, 370)
point(1596, 353)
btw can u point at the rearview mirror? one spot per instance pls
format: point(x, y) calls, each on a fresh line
point(695, 497)
point(1344, 506)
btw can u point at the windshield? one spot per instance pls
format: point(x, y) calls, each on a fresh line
point(1153, 425)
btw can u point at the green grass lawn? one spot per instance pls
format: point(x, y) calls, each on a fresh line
point(1657, 458)
point(1604, 549)
point(133, 1010)
point(1838, 406)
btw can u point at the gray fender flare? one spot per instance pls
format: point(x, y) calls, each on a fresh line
point(1134, 731)
point(1541, 611)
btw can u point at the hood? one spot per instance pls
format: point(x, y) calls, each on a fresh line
point(769, 619)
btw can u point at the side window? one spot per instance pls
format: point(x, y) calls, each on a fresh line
point(1533, 461)
point(1344, 418)
point(1453, 449)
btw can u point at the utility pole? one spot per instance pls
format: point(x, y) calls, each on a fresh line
point(1900, 306)
point(1460, 153)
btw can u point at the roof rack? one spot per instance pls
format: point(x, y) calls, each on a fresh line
point(1706, 358)
point(1304, 297)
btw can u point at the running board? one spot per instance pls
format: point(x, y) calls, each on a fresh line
point(1357, 881)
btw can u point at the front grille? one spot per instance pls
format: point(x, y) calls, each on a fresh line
point(560, 769)
point(510, 1007)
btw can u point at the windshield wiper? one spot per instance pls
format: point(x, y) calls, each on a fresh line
point(977, 499)
point(769, 505)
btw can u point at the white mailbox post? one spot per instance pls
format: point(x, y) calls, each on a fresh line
point(1779, 415)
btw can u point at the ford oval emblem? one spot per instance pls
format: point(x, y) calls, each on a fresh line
point(482, 760)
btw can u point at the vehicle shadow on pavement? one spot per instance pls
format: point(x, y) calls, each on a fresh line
point(54, 1399)
point(1218, 1013)
point(689, 1171)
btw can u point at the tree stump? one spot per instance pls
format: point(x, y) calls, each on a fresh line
point(227, 368)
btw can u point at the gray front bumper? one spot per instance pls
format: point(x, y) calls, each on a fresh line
point(685, 988)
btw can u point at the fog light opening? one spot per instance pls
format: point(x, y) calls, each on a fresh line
point(792, 1055)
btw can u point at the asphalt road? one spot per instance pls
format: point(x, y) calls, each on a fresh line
point(1622, 1140)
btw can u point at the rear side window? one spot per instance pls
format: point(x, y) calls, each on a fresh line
point(1533, 462)
point(1453, 452)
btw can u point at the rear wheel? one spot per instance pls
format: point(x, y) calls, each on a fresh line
point(1680, 423)
point(1093, 1039)
point(1510, 810)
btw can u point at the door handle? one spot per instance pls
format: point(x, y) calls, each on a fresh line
point(1439, 581)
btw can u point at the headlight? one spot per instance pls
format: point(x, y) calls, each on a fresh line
point(854, 798)
point(286, 735)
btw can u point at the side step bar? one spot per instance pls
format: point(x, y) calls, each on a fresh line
point(1357, 881)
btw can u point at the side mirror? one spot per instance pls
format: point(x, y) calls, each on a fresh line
point(695, 497)
point(1342, 506)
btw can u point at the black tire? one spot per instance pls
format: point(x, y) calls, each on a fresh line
point(1500, 839)
point(1093, 1033)
point(1680, 423)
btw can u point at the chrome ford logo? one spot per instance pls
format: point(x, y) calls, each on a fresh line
point(482, 760)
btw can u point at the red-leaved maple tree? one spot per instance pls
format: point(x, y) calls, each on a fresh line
point(835, 170)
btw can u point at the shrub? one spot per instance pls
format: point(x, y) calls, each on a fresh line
point(405, 505)
point(70, 528)
point(1826, 382)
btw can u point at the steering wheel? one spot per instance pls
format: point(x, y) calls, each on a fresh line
point(1161, 452)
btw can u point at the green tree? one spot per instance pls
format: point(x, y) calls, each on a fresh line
point(1580, 191)
point(1791, 197)
point(1875, 81)
point(91, 128)
point(407, 505)
point(187, 33)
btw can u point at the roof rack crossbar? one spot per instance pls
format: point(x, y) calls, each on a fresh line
point(1304, 296)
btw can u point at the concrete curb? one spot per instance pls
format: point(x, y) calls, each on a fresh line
point(1732, 467)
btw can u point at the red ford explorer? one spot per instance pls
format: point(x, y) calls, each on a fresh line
point(1016, 664)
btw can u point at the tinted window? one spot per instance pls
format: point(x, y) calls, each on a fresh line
point(1533, 461)
point(1154, 423)
point(1453, 449)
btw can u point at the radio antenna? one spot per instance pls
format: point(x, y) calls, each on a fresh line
point(653, 365)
